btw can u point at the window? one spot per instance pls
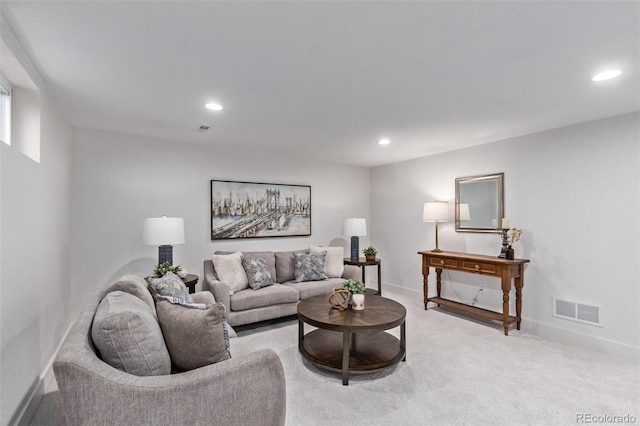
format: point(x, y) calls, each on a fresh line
point(5, 110)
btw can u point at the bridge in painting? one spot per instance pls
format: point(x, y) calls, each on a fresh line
point(266, 214)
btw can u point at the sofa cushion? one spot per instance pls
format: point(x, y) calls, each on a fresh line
point(267, 296)
point(285, 266)
point(230, 271)
point(309, 267)
point(314, 288)
point(334, 262)
point(257, 272)
point(127, 335)
point(269, 256)
point(194, 337)
point(135, 285)
point(171, 287)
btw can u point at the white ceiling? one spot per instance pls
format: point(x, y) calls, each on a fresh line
point(326, 80)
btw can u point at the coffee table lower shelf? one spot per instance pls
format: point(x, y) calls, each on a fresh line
point(473, 310)
point(368, 352)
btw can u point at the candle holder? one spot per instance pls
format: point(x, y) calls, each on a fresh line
point(505, 244)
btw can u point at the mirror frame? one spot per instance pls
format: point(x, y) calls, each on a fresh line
point(499, 178)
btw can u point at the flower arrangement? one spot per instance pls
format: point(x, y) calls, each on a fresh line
point(161, 269)
point(354, 286)
point(514, 235)
point(370, 251)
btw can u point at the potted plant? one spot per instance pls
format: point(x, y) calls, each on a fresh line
point(161, 269)
point(356, 288)
point(370, 253)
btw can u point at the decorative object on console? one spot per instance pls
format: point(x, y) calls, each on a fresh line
point(163, 232)
point(505, 242)
point(339, 298)
point(354, 227)
point(370, 253)
point(514, 235)
point(436, 211)
point(259, 210)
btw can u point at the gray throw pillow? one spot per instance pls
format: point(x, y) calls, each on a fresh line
point(309, 267)
point(257, 272)
point(128, 336)
point(194, 337)
point(172, 287)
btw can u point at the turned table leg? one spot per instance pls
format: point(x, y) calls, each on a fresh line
point(518, 283)
point(506, 288)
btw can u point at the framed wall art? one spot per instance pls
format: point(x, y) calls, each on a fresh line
point(258, 210)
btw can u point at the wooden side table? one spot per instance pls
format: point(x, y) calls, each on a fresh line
point(363, 263)
point(190, 281)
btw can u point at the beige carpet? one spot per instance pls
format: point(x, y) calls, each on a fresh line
point(458, 372)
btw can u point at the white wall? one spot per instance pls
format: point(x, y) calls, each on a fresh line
point(575, 191)
point(35, 267)
point(119, 180)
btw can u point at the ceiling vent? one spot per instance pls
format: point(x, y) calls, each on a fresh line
point(203, 128)
point(574, 311)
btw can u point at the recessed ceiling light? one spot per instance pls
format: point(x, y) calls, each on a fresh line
point(384, 141)
point(606, 75)
point(214, 107)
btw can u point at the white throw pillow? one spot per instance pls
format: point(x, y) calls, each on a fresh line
point(230, 271)
point(334, 262)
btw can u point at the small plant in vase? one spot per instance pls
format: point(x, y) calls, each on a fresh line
point(161, 269)
point(370, 253)
point(356, 288)
point(513, 235)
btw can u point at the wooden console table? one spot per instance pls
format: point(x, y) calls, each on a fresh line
point(504, 269)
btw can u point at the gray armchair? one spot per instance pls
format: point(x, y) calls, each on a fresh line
point(248, 390)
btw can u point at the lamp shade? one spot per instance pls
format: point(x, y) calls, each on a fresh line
point(163, 231)
point(354, 227)
point(436, 211)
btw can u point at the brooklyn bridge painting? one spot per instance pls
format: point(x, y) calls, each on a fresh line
point(255, 210)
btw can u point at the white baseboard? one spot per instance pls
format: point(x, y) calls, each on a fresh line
point(550, 332)
point(42, 385)
point(570, 337)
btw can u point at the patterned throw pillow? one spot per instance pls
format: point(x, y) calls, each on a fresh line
point(309, 267)
point(170, 287)
point(257, 271)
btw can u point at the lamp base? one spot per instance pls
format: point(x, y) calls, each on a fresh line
point(355, 247)
point(165, 255)
point(436, 250)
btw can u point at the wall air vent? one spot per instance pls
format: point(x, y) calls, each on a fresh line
point(574, 311)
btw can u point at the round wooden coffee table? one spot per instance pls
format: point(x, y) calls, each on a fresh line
point(352, 342)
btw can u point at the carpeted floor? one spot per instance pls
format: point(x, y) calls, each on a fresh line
point(458, 372)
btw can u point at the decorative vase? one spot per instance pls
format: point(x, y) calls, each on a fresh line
point(510, 253)
point(358, 302)
point(370, 257)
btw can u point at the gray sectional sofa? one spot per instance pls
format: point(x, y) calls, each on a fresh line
point(277, 300)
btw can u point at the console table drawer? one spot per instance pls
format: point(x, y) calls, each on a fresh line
point(443, 262)
point(485, 268)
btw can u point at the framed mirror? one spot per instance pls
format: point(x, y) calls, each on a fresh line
point(480, 203)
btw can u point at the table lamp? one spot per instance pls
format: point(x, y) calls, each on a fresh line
point(163, 232)
point(354, 227)
point(436, 211)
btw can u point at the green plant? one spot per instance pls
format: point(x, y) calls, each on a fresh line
point(161, 269)
point(370, 251)
point(354, 286)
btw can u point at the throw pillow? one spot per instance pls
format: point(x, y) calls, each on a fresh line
point(170, 286)
point(135, 285)
point(230, 271)
point(257, 271)
point(309, 267)
point(128, 336)
point(194, 337)
point(334, 262)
